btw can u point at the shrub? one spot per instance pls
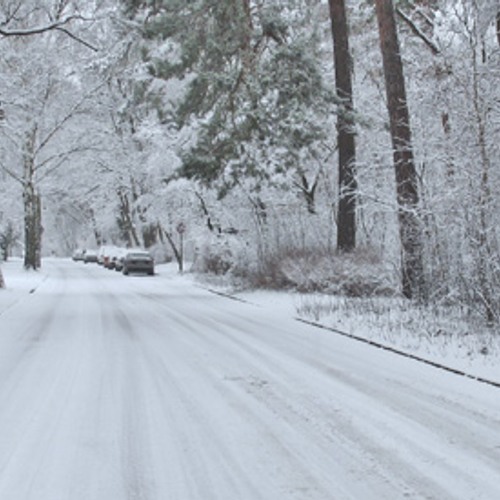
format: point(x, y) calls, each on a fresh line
point(215, 256)
point(356, 274)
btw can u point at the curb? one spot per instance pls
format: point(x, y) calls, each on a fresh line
point(373, 343)
point(393, 350)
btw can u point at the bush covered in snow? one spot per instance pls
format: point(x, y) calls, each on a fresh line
point(358, 274)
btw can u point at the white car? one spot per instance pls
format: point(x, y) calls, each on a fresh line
point(114, 258)
point(90, 256)
point(104, 255)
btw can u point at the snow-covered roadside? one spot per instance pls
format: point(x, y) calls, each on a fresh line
point(19, 282)
point(396, 324)
point(403, 328)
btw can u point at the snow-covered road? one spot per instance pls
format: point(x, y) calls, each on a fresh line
point(143, 388)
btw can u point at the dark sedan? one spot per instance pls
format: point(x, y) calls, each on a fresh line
point(138, 262)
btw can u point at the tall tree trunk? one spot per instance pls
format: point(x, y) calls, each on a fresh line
point(177, 249)
point(32, 227)
point(127, 223)
point(2, 281)
point(95, 228)
point(410, 230)
point(482, 242)
point(498, 28)
point(32, 208)
point(346, 231)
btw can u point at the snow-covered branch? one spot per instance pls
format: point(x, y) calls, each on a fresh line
point(418, 32)
point(70, 114)
point(55, 26)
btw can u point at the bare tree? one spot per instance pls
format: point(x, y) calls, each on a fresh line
point(43, 155)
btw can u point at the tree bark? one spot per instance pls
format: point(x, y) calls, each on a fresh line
point(498, 28)
point(410, 230)
point(346, 230)
point(32, 208)
point(32, 228)
point(178, 250)
point(128, 226)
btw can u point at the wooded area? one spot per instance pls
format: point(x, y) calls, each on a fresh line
point(347, 146)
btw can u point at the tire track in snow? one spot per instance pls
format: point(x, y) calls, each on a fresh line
point(373, 343)
point(408, 409)
point(135, 437)
point(242, 393)
point(191, 398)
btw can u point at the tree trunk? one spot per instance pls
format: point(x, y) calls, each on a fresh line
point(97, 233)
point(2, 281)
point(498, 28)
point(32, 209)
point(346, 231)
point(178, 250)
point(411, 234)
point(32, 228)
point(482, 242)
point(127, 224)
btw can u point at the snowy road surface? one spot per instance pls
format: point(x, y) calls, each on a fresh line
point(143, 388)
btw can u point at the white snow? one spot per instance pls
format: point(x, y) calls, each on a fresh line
point(154, 388)
point(447, 341)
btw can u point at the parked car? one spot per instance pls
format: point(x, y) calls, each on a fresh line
point(138, 262)
point(90, 256)
point(119, 263)
point(78, 255)
point(115, 255)
point(104, 255)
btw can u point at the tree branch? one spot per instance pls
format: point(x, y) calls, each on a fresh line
point(11, 174)
point(60, 158)
point(418, 10)
point(56, 26)
point(66, 118)
point(417, 31)
point(78, 39)
point(40, 29)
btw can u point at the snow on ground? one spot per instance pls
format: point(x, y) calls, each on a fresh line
point(438, 337)
point(390, 322)
point(19, 282)
point(122, 388)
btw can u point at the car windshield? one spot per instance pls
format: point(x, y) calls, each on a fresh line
point(139, 256)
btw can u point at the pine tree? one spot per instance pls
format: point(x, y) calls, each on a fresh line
point(410, 229)
point(346, 234)
point(256, 94)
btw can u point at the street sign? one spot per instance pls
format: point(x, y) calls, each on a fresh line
point(181, 228)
